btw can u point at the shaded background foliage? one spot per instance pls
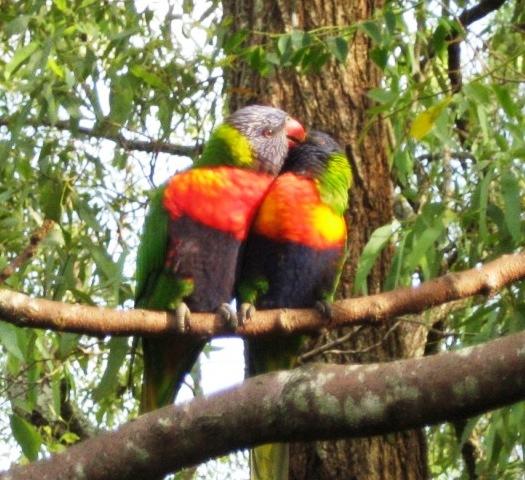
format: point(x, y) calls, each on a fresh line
point(95, 95)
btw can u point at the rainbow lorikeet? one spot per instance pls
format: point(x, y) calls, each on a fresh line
point(293, 258)
point(196, 225)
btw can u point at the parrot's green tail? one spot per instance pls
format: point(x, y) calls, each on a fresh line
point(166, 362)
point(269, 462)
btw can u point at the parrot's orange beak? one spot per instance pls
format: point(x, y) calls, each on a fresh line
point(294, 132)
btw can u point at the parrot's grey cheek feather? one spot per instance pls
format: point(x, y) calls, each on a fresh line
point(271, 153)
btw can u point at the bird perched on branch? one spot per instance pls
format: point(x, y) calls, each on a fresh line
point(294, 257)
point(197, 222)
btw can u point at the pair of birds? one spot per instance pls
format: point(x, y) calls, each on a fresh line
point(230, 226)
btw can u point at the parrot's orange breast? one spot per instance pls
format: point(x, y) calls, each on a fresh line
point(224, 198)
point(292, 211)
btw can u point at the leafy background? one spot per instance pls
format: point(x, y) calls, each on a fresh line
point(100, 101)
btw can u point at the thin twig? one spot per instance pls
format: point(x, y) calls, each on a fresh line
point(327, 346)
point(36, 237)
point(368, 348)
point(151, 146)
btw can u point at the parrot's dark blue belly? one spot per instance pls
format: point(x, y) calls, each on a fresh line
point(207, 256)
point(297, 275)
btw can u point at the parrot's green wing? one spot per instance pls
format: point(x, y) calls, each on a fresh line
point(151, 254)
point(166, 359)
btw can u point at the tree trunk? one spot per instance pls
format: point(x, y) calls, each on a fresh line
point(335, 101)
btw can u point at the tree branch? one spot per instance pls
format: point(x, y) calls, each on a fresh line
point(466, 18)
point(36, 237)
point(477, 12)
point(455, 76)
point(109, 134)
point(25, 311)
point(312, 402)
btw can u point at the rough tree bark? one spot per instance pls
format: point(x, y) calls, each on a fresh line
point(340, 401)
point(335, 101)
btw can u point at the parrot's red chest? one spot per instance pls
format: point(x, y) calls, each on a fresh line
point(223, 198)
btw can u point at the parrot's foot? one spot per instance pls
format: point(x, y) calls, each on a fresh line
point(182, 315)
point(325, 309)
point(246, 312)
point(228, 316)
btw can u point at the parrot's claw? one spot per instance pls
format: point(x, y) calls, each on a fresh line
point(246, 312)
point(228, 316)
point(325, 309)
point(182, 315)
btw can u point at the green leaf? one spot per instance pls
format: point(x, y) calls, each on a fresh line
point(381, 95)
point(439, 37)
point(17, 25)
point(380, 57)
point(61, 5)
point(105, 264)
point(508, 104)
point(118, 348)
point(56, 394)
point(394, 276)
point(67, 343)
point(149, 77)
point(428, 228)
point(51, 198)
point(284, 45)
point(424, 242)
point(233, 42)
point(27, 436)
point(120, 100)
point(273, 58)
point(390, 21)
point(478, 93)
point(378, 240)
point(338, 47)
point(21, 55)
point(86, 214)
point(55, 67)
point(372, 29)
point(404, 166)
point(52, 109)
point(257, 60)
point(299, 39)
point(187, 6)
point(69, 438)
point(483, 120)
point(314, 59)
point(165, 116)
point(510, 190)
point(9, 339)
point(483, 201)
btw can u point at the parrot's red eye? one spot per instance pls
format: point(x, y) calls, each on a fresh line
point(267, 132)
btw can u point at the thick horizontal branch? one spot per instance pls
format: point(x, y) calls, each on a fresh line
point(313, 402)
point(109, 134)
point(25, 311)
